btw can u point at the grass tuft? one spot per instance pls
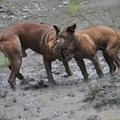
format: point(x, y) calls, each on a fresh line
point(9, 7)
point(102, 95)
point(3, 61)
point(93, 91)
point(14, 100)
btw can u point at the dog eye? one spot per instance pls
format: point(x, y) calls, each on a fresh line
point(63, 36)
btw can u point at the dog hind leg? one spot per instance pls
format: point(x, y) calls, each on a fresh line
point(15, 67)
point(19, 76)
point(113, 54)
point(109, 62)
point(97, 66)
point(13, 51)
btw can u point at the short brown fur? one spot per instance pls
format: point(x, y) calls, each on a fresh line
point(86, 43)
point(40, 38)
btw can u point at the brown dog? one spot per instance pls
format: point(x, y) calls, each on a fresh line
point(84, 44)
point(40, 38)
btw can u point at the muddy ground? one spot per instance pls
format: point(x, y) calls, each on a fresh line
point(64, 101)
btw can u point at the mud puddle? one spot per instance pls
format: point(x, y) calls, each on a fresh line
point(62, 102)
point(35, 100)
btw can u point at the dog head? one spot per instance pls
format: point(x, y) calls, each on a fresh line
point(65, 42)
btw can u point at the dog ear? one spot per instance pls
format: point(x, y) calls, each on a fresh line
point(56, 29)
point(71, 28)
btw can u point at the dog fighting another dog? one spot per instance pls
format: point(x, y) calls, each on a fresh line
point(40, 38)
point(53, 43)
point(84, 44)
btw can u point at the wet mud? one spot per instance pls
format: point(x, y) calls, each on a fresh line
point(35, 100)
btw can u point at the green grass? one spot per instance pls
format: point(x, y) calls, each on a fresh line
point(93, 91)
point(111, 100)
point(60, 24)
point(1, 0)
point(14, 100)
point(102, 95)
point(3, 61)
point(19, 116)
point(9, 7)
point(74, 7)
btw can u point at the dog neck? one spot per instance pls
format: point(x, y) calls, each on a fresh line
point(51, 46)
point(76, 39)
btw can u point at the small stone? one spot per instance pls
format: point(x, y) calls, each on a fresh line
point(60, 6)
point(2, 11)
point(1, 7)
point(25, 108)
point(54, 9)
point(24, 16)
point(64, 3)
point(35, 17)
point(24, 10)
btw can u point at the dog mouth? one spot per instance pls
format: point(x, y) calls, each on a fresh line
point(65, 54)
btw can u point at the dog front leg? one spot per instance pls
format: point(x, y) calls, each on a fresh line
point(49, 73)
point(82, 67)
point(97, 66)
point(67, 68)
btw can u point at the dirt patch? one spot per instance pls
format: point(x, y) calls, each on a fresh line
point(34, 100)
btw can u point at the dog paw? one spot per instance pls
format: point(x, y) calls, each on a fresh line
point(24, 81)
point(70, 73)
point(52, 84)
point(12, 84)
